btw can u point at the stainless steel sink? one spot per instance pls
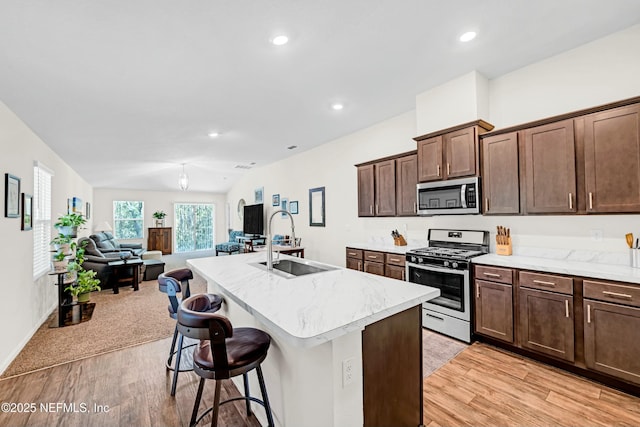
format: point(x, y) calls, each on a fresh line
point(289, 268)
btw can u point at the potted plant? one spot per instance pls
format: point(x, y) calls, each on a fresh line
point(68, 224)
point(63, 243)
point(159, 216)
point(85, 283)
point(60, 261)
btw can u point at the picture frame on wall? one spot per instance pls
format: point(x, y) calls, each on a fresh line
point(11, 196)
point(293, 207)
point(76, 205)
point(88, 211)
point(275, 200)
point(283, 205)
point(27, 212)
point(259, 195)
point(316, 207)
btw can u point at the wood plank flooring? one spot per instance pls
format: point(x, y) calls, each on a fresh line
point(485, 386)
point(482, 386)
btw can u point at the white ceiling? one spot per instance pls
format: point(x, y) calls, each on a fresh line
point(125, 91)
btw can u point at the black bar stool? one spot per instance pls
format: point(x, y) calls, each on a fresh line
point(172, 283)
point(224, 352)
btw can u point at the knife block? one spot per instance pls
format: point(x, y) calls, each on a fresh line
point(399, 241)
point(504, 249)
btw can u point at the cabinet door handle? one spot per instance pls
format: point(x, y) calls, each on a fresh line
point(570, 201)
point(377, 209)
point(394, 259)
point(402, 274)
point(371, 209)
point(477, 291)
point(486, 204)
point(616, 295)
point(352, 254)
point(491, 274)
point(543, 283)
point(435, 317)
point(438, 170)
point(590, 200)
point(372, 257)
point(588, 313)
point(566, 308)
point(448, 169)
point(359, 266)
point(415, 208)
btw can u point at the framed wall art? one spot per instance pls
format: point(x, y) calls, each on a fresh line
point(87, 214)
point(284, 205)
point(275, 200)
point(259, 194)
point(27, 211)
point(11, 196)
point(76, 205)
point(316, 207)
point(293, 207)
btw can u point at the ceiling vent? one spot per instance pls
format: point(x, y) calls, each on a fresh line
point(242, 167)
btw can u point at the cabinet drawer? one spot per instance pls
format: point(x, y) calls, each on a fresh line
point(354, 253)
point(494, 274)
point(610, 292)
point(547, 282)
point(371, 256)
point(374, 268)
point(395, 259)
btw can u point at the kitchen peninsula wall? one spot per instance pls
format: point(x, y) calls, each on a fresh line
point(574, 80)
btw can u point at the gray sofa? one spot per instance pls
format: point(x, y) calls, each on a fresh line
point(106, 243)
point(102, 248)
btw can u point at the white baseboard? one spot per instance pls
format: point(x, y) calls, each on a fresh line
point(5, 363)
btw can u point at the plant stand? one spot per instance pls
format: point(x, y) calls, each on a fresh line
point(69, 312)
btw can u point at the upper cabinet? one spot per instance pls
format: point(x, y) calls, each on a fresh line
point(550, 168)
point(500, 174)
point(387, 187)
point(612, 160)
point(451, 153)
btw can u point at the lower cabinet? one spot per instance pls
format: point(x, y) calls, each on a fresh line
point(160, 240)
point(354, 259)
point(546, 323)
point(394, 266)
point(494, 310)
point(381, 263)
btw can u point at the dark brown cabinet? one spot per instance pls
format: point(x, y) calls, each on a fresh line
point(366, 190)
point(160, 239)
point(493, 289)
point(451, 153)
point(395, 266)
point(354, 259)
point(546, 318)
point(406, 181)
point(385, 188)
point(612, 329)
point(500, 174)
point(550, 168)
point(612, 160)
point(374, 262)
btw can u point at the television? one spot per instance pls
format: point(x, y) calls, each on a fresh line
point(253, 219)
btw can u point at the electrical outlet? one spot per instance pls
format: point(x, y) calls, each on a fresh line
point(348, 371)
point(596, 235)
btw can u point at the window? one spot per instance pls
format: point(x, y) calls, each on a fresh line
point(194, 227)
point(128, 219)
point(41, 219)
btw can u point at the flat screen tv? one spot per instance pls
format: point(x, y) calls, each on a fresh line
point(253, 219)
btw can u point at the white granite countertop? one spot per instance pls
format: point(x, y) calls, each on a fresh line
point(596, 265)
point(312, 309)
point(386, 245)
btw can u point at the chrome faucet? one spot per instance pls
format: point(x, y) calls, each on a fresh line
point(270, 239)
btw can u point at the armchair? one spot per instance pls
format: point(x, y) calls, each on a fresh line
point(106, 243)
point(96, 260)
point(233, 245)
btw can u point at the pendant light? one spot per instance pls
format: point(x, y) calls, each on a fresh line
point(183, 179)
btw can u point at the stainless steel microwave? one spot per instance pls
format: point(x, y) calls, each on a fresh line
point(450, 197)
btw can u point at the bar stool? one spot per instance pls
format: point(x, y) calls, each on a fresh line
point(224, 352)
point(172, 283)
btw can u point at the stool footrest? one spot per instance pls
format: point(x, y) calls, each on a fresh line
point(253, 399)
point(170, 365)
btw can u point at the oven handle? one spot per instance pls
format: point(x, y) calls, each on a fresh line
point(432, 268)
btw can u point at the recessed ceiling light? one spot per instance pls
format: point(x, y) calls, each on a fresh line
point(468, 36)
point(337, 106)
point(292, 147)
point(213, 134)
point(280, 40)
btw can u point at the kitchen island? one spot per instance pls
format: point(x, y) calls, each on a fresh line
point(346, 346)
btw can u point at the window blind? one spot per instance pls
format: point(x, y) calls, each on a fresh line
point(41, 219)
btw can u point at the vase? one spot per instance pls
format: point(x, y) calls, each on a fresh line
point(159, 223)
point(84, 297)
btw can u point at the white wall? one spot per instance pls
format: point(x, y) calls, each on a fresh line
point(27, 302)
point(593, 74)
point(158, 201)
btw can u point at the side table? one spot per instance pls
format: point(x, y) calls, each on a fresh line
point(69, 312)
point(121, 273)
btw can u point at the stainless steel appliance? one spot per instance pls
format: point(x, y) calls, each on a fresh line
point(445, 265)
point(453, 196)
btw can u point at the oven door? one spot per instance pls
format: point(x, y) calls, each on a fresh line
point(454, 289)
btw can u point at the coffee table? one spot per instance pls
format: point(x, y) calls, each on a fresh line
point(125, 272)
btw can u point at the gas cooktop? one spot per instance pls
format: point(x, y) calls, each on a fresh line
point(451, 253)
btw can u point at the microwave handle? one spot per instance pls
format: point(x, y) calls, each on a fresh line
point(463, 195)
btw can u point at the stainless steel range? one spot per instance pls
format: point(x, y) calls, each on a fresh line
point(445, 265)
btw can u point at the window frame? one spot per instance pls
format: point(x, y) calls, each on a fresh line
point(116, 220)
point(42, 219)
point(177, 226)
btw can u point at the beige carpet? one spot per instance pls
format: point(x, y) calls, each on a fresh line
point(437, 350)
point(119, 321)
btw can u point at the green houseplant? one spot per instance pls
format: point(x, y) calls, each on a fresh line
point(60, 261)
point(68, 224)
point(159, 216)
point(85, 283)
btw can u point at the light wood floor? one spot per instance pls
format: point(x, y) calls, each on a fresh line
point(482, 386)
